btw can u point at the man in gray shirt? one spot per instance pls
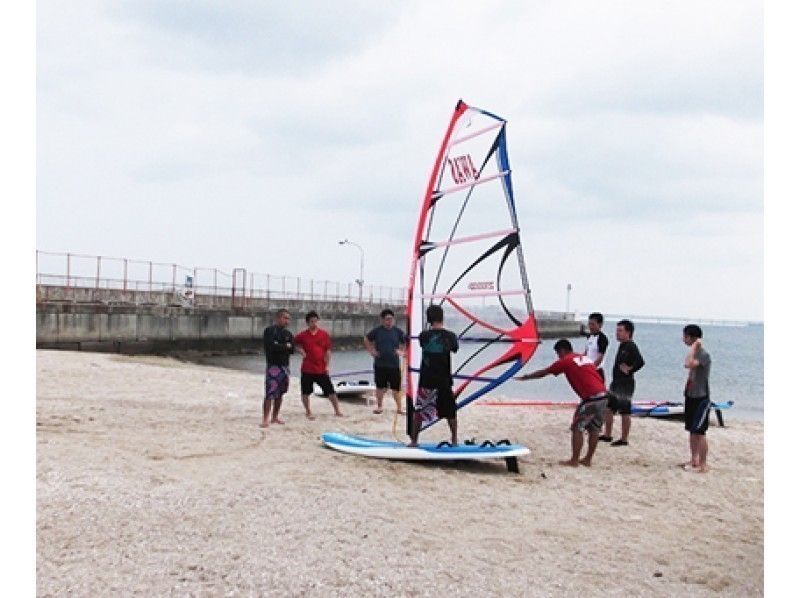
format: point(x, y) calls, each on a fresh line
point(697, 401)
point(386, 343)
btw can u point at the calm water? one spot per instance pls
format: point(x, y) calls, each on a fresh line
point(737, 372)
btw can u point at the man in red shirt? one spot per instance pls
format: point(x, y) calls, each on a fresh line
point(584, 379)
point(314, 345)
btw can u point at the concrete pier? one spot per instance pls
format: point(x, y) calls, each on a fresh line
point(122, 322)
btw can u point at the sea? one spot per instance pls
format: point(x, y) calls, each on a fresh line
point(737, 367)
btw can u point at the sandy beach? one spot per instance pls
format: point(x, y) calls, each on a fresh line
point(154, 478)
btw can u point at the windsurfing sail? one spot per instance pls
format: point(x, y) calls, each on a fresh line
point(467, 257)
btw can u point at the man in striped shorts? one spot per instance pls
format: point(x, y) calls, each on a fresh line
point(278, 345)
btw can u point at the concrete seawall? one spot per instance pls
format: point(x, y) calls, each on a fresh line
point(147, 328)
point(137, 329)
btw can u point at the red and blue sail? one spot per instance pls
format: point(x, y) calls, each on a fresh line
point(468, 258)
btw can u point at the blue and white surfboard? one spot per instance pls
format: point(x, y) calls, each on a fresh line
point(387, 449)
point(669, 409)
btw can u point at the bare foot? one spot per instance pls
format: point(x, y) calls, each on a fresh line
point(377, 411)
point(586, 462)
point(701, 469)
point(278, 420)
point(401, 413)
point(412, 445)
point(689, 466)
point(340, 414)
point(310, 417)
point(264, 425)
point(569, 463)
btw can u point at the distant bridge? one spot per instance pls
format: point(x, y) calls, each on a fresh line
point(678, 320)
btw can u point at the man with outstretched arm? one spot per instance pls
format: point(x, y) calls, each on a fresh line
point(697, 398)
point(435, 397)
point(314, 344)
point(386, 343)
point(278, 345)
point(582, 376)
point(627, 362)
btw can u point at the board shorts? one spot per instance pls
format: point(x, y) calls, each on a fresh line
point(387, 377)
point(588, 415)
point(307, 382)
point(695, 412)
point(276, 381)
point(434, 403)
point(619, 400)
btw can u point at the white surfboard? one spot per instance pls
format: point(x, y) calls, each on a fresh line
point(349, 388)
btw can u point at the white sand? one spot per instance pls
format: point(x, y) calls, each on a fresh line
point(154, 478)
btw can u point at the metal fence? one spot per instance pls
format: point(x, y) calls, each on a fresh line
point(155, 280)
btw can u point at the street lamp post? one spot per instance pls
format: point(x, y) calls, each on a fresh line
point(360, 280)
point(569, 288)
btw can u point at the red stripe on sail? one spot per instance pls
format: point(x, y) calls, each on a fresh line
point(461, 108)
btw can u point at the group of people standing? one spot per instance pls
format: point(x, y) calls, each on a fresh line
point(314, 345)
point(584, 371)
point(598, 403)
point(386, 343)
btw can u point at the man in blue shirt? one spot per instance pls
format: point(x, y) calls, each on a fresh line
point(386, 343)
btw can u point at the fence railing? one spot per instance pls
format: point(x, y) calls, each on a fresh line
point(157, 282)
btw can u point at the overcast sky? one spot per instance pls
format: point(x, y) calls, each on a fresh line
point(257, 134)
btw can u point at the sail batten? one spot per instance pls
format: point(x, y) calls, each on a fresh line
point(480, 294)
point(499, 233)
point(474, 134)
point(474, 183)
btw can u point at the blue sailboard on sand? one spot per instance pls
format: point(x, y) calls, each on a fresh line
point(388, 449)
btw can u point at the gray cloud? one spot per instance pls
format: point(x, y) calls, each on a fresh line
point(256, 135)
point(253, 37)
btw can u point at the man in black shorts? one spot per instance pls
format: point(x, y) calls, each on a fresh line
point(697, 399)
point(435, 387)
point(386, 343)
point(627, 362)
point(314, 344)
